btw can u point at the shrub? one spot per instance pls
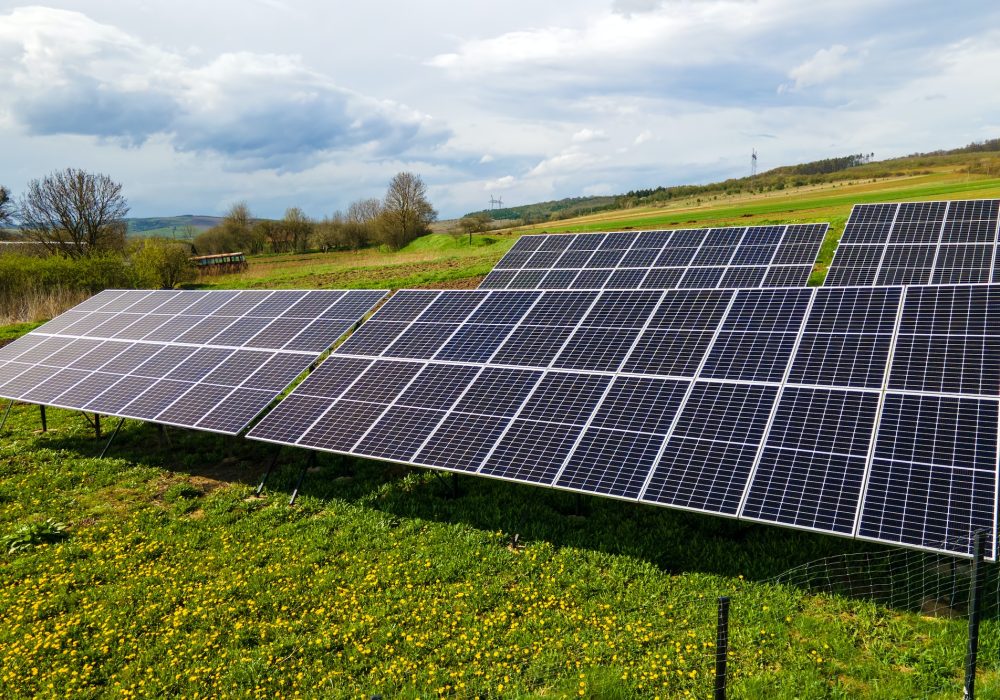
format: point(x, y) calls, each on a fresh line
point(31, 535)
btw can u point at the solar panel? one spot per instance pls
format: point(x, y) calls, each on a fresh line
point(208, 360)
point(918, 243)
point(554, 378)
point(736, 257)
point(869, 412)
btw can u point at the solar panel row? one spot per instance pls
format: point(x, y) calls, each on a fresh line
point(918, 243)
point(787, 406)
point(736, 257)
point(210, 360)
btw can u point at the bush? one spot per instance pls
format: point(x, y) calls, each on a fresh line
point(35, 288)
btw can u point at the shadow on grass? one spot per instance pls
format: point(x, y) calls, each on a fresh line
point(674, 541)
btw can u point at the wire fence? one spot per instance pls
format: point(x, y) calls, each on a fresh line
point(748, 652)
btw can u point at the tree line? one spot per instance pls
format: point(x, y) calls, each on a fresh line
point(401, 216)
point(77, 215)
point(74, 234)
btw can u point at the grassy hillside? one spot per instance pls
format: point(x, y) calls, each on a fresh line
point(443, 259)
point(155, 572)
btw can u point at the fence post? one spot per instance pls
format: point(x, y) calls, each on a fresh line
point(975, 597)
point(721, 648)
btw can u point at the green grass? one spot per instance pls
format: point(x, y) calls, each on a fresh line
point(444, 260)
point(174, 580)
point(16, 330)
point(434, 259)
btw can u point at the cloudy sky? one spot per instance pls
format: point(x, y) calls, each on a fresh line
point(193, 105)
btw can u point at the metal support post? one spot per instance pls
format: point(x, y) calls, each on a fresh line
point(6, 413)
point(118, 427)
point(975, 600)
point(97, 425)
point(45, 424)
point(721, 648)
point(311, 462)
point(164, 435)
point(267, 473)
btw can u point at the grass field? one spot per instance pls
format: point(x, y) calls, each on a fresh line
point(155, 572)
point(172, 579)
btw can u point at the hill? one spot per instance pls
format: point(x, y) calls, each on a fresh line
point(979, 158)
point(170, 226)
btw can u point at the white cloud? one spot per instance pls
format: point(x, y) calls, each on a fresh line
point(588, 135)
point(605, 46)
point(542, 100)
point(568, 161)
point(642, 137)
point(824, 66)
point(601, 188)
point(73, 75)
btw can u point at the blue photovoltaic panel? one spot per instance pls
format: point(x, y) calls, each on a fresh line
point(737, 257)
point(206, 360)
point(860, 411)
point(918, 243)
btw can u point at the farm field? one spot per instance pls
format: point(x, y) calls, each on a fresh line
point(156, 572)
point(443, 260)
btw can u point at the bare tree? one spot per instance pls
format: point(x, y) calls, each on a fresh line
point(297, 227)
point(364, 211)
point(241, 231)
point(74, 212)
point(238, 219)
point(406, 213)
point(6, 208)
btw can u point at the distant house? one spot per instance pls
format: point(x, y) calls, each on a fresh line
point(220, 264)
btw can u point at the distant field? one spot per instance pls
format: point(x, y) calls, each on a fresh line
point(170, 226)
point(443, 259)
point(438, 258)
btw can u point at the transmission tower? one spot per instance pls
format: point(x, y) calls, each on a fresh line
point(753, 164)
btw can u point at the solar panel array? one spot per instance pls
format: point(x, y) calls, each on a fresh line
point(211, 360)
point(866, 412)
point(918, 243)
point(755, 256)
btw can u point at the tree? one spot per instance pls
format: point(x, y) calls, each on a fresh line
point(364, 211)
point(6, 208)
point(328, 234)
point(406, 213)
point(475, 223)
point(240, 231)
point(296, 227)
point(158, 262)
point(74, 212)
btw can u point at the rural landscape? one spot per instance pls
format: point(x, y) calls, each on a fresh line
point(155, 570)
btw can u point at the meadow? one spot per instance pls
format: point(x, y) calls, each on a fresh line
point(156, 572)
